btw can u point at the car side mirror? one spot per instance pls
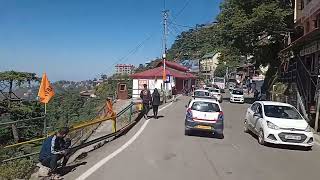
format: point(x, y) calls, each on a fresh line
point(186, 106)
point(257, 115)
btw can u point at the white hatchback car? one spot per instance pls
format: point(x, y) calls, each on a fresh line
point(216, 93)
point(236, 96)
point(278, 123)
point(204, 114)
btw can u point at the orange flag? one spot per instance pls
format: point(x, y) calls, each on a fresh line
point(45, 91)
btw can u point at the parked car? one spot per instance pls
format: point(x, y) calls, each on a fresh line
point(216, 93)
point(278, 123)
point(204, 115)
point(236, 96)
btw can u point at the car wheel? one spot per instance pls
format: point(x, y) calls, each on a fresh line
point(245, 127)
point(261, 138)
point(219, 136)
point(187, 132)
point(309, 148)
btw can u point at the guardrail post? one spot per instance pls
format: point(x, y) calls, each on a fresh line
point(130, 115)
point(114, 122)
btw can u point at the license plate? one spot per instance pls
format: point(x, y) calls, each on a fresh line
point(204, 127)
point(292, 137)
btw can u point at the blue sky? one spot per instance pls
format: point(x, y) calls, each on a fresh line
point(81, 39)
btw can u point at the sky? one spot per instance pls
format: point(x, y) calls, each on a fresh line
point(81, 39)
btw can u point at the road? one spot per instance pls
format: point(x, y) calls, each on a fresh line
point(163, 152)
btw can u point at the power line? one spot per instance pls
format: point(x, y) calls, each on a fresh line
point(183, 8)
point(131, 52)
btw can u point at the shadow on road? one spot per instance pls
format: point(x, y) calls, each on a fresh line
point(205, 135)
point(62, 171)
point(278, 146)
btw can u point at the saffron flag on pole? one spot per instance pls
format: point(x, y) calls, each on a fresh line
point(46, 91)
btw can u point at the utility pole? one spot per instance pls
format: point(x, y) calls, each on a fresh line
point(164, 56)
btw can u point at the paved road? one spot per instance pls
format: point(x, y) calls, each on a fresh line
point(162, 151)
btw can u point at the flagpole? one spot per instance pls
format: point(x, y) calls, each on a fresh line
point(45, 120)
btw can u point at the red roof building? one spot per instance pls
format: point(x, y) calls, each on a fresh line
point(179, 77)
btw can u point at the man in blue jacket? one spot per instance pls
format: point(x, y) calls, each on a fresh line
point(55, 148)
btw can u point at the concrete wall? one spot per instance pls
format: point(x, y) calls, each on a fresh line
point(152, 84)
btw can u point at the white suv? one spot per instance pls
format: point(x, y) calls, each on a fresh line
point(278, 123)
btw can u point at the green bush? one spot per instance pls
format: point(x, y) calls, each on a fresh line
point(19, 169)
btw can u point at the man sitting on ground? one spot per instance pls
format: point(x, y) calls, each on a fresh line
point(53, 149)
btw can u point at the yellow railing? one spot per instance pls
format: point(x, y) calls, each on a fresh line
point(74, 128)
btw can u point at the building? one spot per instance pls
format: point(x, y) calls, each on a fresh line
point(208, 64)
point(301, 58)
point(177, 75)
point(124, 69)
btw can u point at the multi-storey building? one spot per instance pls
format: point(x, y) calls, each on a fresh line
point(208, 64)
point(124, 69)
point(301, 59)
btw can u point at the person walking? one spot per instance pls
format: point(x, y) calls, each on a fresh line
point(174, 93)
point(155, 102)
point(145, 95)
point(53, 149)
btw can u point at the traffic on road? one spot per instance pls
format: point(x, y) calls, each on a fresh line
point(221, 140)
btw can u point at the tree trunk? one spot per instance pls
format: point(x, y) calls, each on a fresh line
point(15, 133)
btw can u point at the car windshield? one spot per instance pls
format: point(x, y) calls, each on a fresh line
point(237, 92)
point(282, 112)
point(219, 80)
point(214, 90)
point(232, 81)
point(205, 106)
point(201, 93)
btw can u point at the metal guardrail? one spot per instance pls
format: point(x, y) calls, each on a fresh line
point(81, 126)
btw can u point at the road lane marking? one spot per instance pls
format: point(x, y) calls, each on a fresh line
point(123, 147)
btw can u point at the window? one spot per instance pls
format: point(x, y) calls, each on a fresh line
point(282, 112)
point(301, 4)
point(205, 107)
point(201, 93)
point(123, 87)
point(237, 92)
point(215, 90)
point(307, 27)
point(254, 107)
point(259, 109)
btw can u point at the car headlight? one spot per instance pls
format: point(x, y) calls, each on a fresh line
point(308, 129)
point(272, 126)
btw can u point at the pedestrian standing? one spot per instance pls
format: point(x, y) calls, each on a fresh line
point(145, 95)
point(155, 102)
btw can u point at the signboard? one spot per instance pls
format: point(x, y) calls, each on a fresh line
point(168, 79)
point(142, 82)
point(314, 47)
